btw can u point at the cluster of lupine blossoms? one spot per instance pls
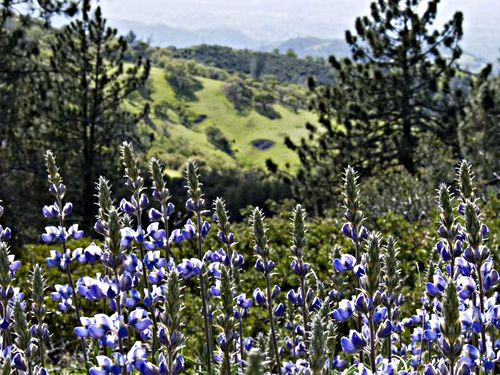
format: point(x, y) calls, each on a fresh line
point(139, 328)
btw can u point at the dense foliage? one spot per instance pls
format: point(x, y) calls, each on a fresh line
point(287, 68)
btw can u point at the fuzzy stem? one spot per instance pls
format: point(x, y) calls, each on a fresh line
point(165, 226)
point(303, 307)
point(70, 279)
point(119, 310)
point(359, 323)
point(242, 353)
point(271, 320)
point(482, 348)
point(389, 338)
point(372, 344)
point(452, 255)
point(203, 289)
point(146, 281)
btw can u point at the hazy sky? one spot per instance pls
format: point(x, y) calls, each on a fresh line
point(279, 19)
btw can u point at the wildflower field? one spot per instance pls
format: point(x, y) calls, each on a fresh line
point(152, 285)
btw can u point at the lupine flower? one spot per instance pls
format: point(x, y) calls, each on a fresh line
point(108, 366)
point(437, 287)
point(90, 254)
point(139, 319)
point(344, 311)
point(345, 263)
point(258, 296)
point(189, 268)
point(186, 233)
point(354, 343)
point(63, 293)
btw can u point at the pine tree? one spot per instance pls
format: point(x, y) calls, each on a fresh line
point(397, 85)
point(85, 112)
point(480, 128)
point(22, 25)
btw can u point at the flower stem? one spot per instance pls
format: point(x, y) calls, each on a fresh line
point(152, 308)
point(481, 309)
point(119, 310)
point(271, 320)
point(70, 278)
point(240, 327)
point(203, 289)
point(303, 306)
point(389, 338)
point(167, 235)
point(372, 344)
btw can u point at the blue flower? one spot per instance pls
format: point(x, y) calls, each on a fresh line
point(51, 234)
point(443, 250)
point(214, 291)
point(338, 362)
point(154, 214)
point(127, 207)
point(237, 259)
point(19, 361)
point(484, 231)
point(107, 366)
point(379, 314)
point(466, 287)
point(363, 303)
point(351, 232)
point(437, 287)
point(354, 343)
point(248, 343)
point(128, 235)
point(300, 268)
point(178, 364)
point(470, 354)
point(385, 329)
point(344, 311)
point(153, 259)
point(139, 319)
point(244, 302)
point(187, 232)
point(50, 211)
point(74, 232)
point(464, 267)
point(90, 254)
point(264, 266)
point(189, 267)
point(57, 259)
point(279, 310)
point(292, 297)
point(136, 357)
point(63, 294)
point(429, 370)
point(490, 275)
point(345, 263)
point(5, 233)
point(258, 296)
point(205, 227)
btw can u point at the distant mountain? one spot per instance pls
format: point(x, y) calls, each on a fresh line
point(162, 35)
point(312, 46)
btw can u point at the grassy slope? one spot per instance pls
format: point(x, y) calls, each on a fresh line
point(240, 130)
point(174, 142)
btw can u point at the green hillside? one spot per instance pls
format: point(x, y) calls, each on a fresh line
point(174, 141)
